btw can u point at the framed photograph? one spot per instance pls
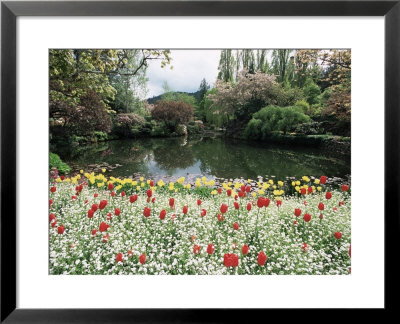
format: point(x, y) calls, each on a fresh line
point(184, 161)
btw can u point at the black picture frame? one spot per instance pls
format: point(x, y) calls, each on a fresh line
point(10, 10)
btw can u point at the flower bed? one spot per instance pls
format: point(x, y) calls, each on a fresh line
point(121, 226)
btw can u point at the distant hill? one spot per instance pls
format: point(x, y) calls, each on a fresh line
point(152, 100)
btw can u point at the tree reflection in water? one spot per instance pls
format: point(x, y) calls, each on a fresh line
point(217, 157)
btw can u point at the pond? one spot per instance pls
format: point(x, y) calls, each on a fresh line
point(212, 157)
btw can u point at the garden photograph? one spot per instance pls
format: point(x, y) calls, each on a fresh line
point(199, 162)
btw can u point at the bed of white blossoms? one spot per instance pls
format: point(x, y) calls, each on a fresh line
point(113, 226)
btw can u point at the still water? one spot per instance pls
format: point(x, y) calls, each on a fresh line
point(212, 157)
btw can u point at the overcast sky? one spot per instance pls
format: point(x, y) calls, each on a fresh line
point(189, 68)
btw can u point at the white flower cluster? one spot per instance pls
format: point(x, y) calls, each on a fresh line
point(292, 245)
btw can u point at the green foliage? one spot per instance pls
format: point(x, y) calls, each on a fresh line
point(56, 162)
point(160, 130)
point(311, 92)
point(128, 125)
point(81, 86)
point(272, 119)
point(305, 106)
point(253, 129)
point(310, 128)
point(287, 96)
point(100, 136)
point(214, 114)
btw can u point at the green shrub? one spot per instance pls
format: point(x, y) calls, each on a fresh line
point(123, 124)
point(304, 105)
point(160, 130)
point(311, 92)
point(56, 162)
point(253, 129)
point(100, 136)
point(274, 119)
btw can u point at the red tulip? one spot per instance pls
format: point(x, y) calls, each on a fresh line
point(323, 179)
point(236, 226)
point(210, 249)
point(198, 202)
point(245, 249)
point(142, 258)
point(103, 227)
point(102, 204)
point(112, 193)
point(321, 206)
point(171, 202)
point(328, 195)
point(338, 235)
point(94, 232)
point(53, 189)
point(304, 247)
point(123, 194)
point(219, 190)
point(149, 193)
point(297, 212)
point(321, 216)
point(279, 203)
point(133, 198)
point(163, 213)
point(260, 202)
point(350, 251)
point(231, 260)
point(96, 195)
point(229, 192)
point(110, 186)
point(248, 207)
point(185, 209)
point(196, 249)
point(119, 257)
point(203, 213)
point(60, 229)
point(223, 208)
point(51, 217)
point(220, 217)
point(309, 190)
point(53, 223)
point(262, 258)
point(303, 191)
point(90, 213)
point(237, 206)
point(146, 212)
point(307, 217)
point(109, 216)
point(266, 202)
point(242, 187)
point(95, 207)
point(151, 183)
point(153, 200)
point(130, 253)
point(62, 178)
point(345, 187)
point(117, 211)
